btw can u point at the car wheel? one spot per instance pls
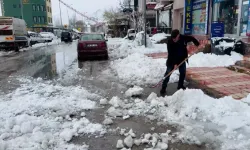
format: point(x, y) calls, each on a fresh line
point(106, 57)
point(17, 48)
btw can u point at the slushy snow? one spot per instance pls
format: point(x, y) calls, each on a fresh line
point(128, 141)
point(202, 119)
point(37, 114)
point(135, 91)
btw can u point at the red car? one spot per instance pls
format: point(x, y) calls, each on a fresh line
point(92, 45)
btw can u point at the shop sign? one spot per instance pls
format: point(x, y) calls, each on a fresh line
point(217, 29)
point(200, 12)
point(248, 23)
point(188, 17)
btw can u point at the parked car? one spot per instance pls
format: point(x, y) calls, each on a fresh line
point(35, 38)
point(50, 36)
point(131, 34)
point(66, 36)
point(92, 45)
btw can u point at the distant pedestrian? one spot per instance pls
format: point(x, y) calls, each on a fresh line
point(177, 52)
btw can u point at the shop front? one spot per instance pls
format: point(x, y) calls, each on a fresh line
point(233, 14)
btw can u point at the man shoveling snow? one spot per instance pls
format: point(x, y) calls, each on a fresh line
point(177, 53)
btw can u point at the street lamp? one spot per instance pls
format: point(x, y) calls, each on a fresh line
point(60, 12)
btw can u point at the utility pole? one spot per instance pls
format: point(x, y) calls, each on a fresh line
point(145, 24)
point(21, 4)
point(60, 12)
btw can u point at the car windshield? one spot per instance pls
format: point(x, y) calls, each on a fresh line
point(90, 37)
point(65, 33)
point(131, 31)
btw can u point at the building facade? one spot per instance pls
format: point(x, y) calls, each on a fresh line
point(198, 17)
point(49, 13)
point(36, 13)
point(150, 11)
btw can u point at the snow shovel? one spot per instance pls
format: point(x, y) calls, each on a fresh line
point(160, 82)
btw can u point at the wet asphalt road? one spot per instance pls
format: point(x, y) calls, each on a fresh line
point(52, 62)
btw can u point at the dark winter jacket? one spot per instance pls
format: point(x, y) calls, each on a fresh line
point(177, 51)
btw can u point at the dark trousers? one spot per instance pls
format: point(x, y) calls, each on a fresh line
point(182, 70)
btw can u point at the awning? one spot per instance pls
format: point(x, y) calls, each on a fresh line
point(168, 6)
point(159, 6)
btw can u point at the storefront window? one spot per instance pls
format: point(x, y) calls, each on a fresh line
point(226, 11)
point(244, 17)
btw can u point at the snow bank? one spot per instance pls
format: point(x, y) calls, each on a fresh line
point(138, 69)
point(37, 114)
point(123, 48)
point(159, 36)
point(54, 42)
point(222, 122)
point(212, 60)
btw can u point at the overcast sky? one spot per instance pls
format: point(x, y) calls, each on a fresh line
point(93, 8)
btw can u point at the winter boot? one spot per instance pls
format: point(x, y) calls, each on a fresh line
point(181, 87)
point(163, 92)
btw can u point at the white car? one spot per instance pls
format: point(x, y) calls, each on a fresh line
point(35, 38)
point(48, 35)
point(131, 34)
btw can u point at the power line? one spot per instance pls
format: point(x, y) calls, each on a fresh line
point(78, 12)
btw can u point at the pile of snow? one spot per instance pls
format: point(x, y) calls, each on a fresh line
point(202, 119)
point(38, 45)
point(159, 36)
point(156, 141)
point(124, 47)
point(37, 114)
point(140, 38)
point(212, 60)
point(138, 69)
point(135, 91)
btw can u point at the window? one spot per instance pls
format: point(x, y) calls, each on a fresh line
point(48, 20)
point(38, 7)
point(39, 19)
point(227, 12)
point(20, 5)
point(42, 8)
point(89, 37)
point(14, 5)
point(48, 8)
point(34, 7)
point(34, 19)
point(21, 17)
point(43, 19)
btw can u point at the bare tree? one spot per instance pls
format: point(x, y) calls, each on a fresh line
point(80, 24)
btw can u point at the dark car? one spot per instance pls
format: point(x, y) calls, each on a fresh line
point(92, 45)
point(66, 37)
